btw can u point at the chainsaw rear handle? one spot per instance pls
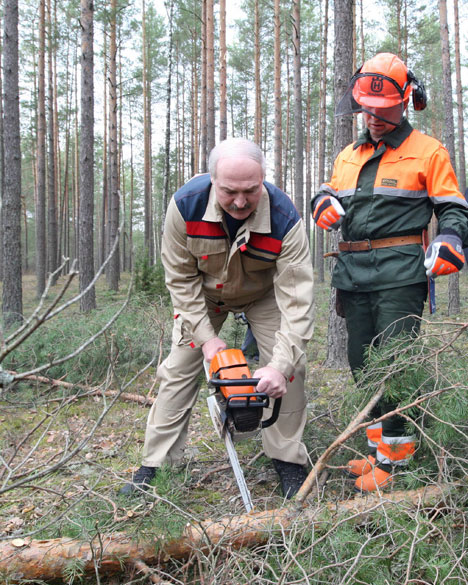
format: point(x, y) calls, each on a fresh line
point(261, 399)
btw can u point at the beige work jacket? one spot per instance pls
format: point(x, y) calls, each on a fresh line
point(202, 274)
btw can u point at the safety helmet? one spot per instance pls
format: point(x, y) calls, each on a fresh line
point(381, 88)
point(382, 82)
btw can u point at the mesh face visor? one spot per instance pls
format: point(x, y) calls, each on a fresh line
point(377, 95)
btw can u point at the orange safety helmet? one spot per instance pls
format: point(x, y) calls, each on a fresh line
point(382, 82)
point(381, 88)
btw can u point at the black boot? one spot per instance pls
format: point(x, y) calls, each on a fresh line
point(292, 476)
point(141, 479)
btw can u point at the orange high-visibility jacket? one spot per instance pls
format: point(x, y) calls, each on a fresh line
point(393, 189)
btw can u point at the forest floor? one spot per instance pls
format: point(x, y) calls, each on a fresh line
point(78, 496)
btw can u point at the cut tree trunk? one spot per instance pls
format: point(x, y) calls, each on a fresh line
point(110, 554)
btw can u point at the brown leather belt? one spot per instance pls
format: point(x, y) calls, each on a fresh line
point(366, 245)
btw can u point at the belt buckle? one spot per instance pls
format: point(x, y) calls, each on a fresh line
point(369, 244)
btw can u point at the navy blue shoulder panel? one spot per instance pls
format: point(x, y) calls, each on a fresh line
point(283, 213)
point(192, 198)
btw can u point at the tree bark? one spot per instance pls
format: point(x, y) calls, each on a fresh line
point(147, 144)
point(167, 146)
point(210, 87)
point(258, 89)
point(278, 147)
point(322, 140)
point(86, 221)
point(222, 72)
point(2, 153)
point(12, 296)
point(460, 116)
point(52, 228)
point(449, 131)
point(298, 122)
point(449, 135)
point(41, 255)
point(105, 185)
point(114, 195)
point(203, 93)
point(343, 59)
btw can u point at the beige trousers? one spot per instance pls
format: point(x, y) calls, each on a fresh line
point(169, 417)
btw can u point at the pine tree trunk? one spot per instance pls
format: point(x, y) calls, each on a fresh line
point(51, 559)
point(203, 96)
point(343, 58)
point(298, 122)
point(460, 116)
point(132, 198)
point(41, 161)
point(86, 235)
point(222, 72)
point(114, 194)
point(12, 296)
point(210, 87)
point(278, 147)
point(308, 152)
point(258, 92)
point(449, 135)
point(167, 146)
point(52, 229)
point(2, 153)
point(105, 184)
point(195, 158)
point(322, 140)
point(449, 131)
point(147, 145)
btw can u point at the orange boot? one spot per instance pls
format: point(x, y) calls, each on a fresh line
point(358, 467)
point(376, 479)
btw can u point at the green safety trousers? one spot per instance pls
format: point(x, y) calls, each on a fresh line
point(374, 317)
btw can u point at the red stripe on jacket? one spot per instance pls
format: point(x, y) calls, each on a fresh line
point(205, 229)
point(265, 243)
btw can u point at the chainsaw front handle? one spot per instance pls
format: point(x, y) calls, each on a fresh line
point(261, 399)
point(217, 382)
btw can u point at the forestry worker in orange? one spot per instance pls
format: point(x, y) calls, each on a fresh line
point(383, 192)
point(234, 242)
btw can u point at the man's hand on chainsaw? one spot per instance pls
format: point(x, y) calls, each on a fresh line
point(272, 382)
point(211, 347)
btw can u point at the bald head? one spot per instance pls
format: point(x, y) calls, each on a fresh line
point(235, 148)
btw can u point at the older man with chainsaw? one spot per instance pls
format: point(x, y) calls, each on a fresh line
point(234, 243)
point(383, 192)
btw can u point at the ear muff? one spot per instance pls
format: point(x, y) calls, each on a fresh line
point(419, 96)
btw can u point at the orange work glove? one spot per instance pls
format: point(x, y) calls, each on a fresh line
point(444, 255)
point(328, 212)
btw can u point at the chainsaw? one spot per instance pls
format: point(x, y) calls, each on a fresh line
point(236, 408)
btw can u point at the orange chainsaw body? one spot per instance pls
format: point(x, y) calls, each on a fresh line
point(230, 364)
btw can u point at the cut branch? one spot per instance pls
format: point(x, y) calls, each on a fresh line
point(90, 390)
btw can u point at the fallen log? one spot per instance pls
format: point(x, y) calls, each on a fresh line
point(48, 559)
